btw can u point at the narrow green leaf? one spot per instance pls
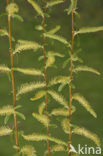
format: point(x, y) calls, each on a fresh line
point(7, 117)
point(18, 17)
point(54, 2)
point(50, 61)
point(38, 95)
point(73, 5)
point(20, 115)
point(41, 108)
point(54, 53)
point(54, 30)
point(38, 27)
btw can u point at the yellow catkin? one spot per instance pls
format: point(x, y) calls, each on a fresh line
point(25, 88)
point(84, 103)
point(12, 8)
point(7, 110)
point(84, 132)
point(41, 118)
point(86, 68)
point(26, 45)
point(4, 69)
point(5, 131)
point(58, 97)
point(29, 71)
point(28, 150)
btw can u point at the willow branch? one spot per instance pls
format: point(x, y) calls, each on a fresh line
point(45, 79)
point(12, 79)
point(70, 89)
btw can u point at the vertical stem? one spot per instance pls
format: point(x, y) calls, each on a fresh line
point(70, 89)
point(12, 79)
point(45, 79)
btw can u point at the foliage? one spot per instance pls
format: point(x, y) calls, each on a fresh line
point(47, 91)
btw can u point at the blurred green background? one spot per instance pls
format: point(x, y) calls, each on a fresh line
point(90, 85)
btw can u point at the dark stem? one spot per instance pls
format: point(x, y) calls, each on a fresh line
point(70, 89)
point(45, 79)
point(12, 80)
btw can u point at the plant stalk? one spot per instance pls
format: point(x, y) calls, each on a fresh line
point(45, 79)
point(12, 80)
point(70, 89)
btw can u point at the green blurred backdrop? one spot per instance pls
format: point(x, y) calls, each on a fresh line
point(91, 14)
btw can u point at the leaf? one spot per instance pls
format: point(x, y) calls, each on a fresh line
point(7, 117)
point(50, 61)
point(84, 103)
point(20, 115)
point(54, 53)
point(42, 137)
point(5, 131)
point(29, 71)
point(26, 45)
point(86, 68)
point(27, 87)
point(12, 8)
point(60, 79)
point(38, 27)
point(73, 5)
point(54, 30)
point(84, 132)
point(18, 17)
point(56, 37)
point(58, 97)
point(4, 69)
point(66, 63)
point(36, 7)
point(60, 88)
point(3, 32)
point(65, 125)
point(38, 95)
point(53, 2)
point(41, 118)
point(41, 108)
point(89, 30)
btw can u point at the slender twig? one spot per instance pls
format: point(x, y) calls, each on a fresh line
point(45, 79)
point(70, 89)
point(12, 79)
